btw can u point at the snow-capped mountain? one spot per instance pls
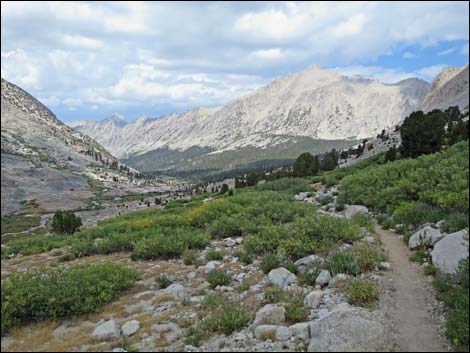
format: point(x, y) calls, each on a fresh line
point(316, 104)
point(449, 88)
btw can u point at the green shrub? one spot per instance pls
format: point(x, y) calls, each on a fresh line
point(162, 281)
point(244, 257)
point(269, 262)
point(65, 222)
point(275, 295)
point(454, 222)
point(226, 319)
point(61, 293)
point(419, 256)
point(308, 277)
point(325, 200)
point(363, 221)
point(361, 292)
point(367, 256)
point(429, 269)
point(190, 257)
point(343, 263)
point(213, 301)
point(296, 311)
point(194, 336)
point(291, 267)
point(227, 226)
point(218, 278)
point(214, 255)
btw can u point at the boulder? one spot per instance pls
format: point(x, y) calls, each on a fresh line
point(440, 224)
point(282, 278)
point(348, 330)
point(426, 236)
point(323, 278)
point(353, 210)
point(270, 314)
point(130, 327)
point(313, 299)
point(264, 332)
point(308, 262)
point(301, 196)
point(449, 251)
point(211, 265)
point(107, 330)
point(283, 333)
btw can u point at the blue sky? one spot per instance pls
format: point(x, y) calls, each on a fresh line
point(89, 60)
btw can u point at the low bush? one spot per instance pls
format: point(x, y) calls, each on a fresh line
point(419, 256)
point(190, 258)
point(244, 257)
point(218, 278)
point(269, 262)
point(343, 263)
point(61, 293)
point(367, 256)
point(162, 281)
point(227, 319)
point(361, 292)
point(296, 311)
point(214, 256)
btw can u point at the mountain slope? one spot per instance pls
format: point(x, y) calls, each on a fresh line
point(449, 88)
point(315, 104)
point(46, 163)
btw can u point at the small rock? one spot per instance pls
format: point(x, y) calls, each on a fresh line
point(130, 327)
point(176, 290)
point(355, 210)
point(239, 240)
point(211, 265)
point(313, 299)
point(323, 278)
point(119, 350)
point(440, 224)
point(282, 278)
point(106, 330)
point(229, 242)
point(270, 314)
point(301, 330)
point(170, 332)
point(308, 262)
point(385, 266)
point(191, 275)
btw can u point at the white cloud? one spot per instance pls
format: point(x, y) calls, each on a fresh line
point(446, 52)
point(270, 54)
point(430, 71)
point(77, 41)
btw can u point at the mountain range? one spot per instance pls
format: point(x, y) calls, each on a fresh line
point(313, 110)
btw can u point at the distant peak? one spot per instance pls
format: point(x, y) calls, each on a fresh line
point(117, 119)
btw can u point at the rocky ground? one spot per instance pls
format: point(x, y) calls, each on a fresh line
point(147, 318)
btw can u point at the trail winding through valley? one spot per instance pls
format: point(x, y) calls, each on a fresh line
point(408, 300)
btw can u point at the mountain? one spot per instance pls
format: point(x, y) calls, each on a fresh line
point(45, 163)
point(315, 107)
point(449, 88)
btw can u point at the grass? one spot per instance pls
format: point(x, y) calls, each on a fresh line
point(214, 256)
point(19, 223)
point(454, 292)
point(360, 292)
point(61, 293)
point(419, 256)
point(162, 281)
point(269, 262)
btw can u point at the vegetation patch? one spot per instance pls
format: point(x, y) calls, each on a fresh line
point(61, 293)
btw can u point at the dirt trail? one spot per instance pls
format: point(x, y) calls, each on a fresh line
point(409, 300)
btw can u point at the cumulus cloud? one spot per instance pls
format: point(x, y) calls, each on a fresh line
point(141, 56)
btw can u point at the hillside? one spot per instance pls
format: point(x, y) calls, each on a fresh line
point(48, 166)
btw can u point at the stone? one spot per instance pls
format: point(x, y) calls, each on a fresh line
point(369, 239)
point(427, 236)
point(169, 332)
point(130, 327)
point(322, 313)
point(270, 314)
point(348, 330)
point(301, 196)
point(313, 299)
point(229, 242)
point(239, 240)
point(283, 333)
point(264, 332)
point(175, 290)
point(353, 210)
point(191, 275)
point(449, 251)
point(301, 330)
point(211, 265)
point(323, 278)
point(282, 278)
point(440, 224)
point(106, 330)
point(385, 266)
point(119, 350)
point(308, 262)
